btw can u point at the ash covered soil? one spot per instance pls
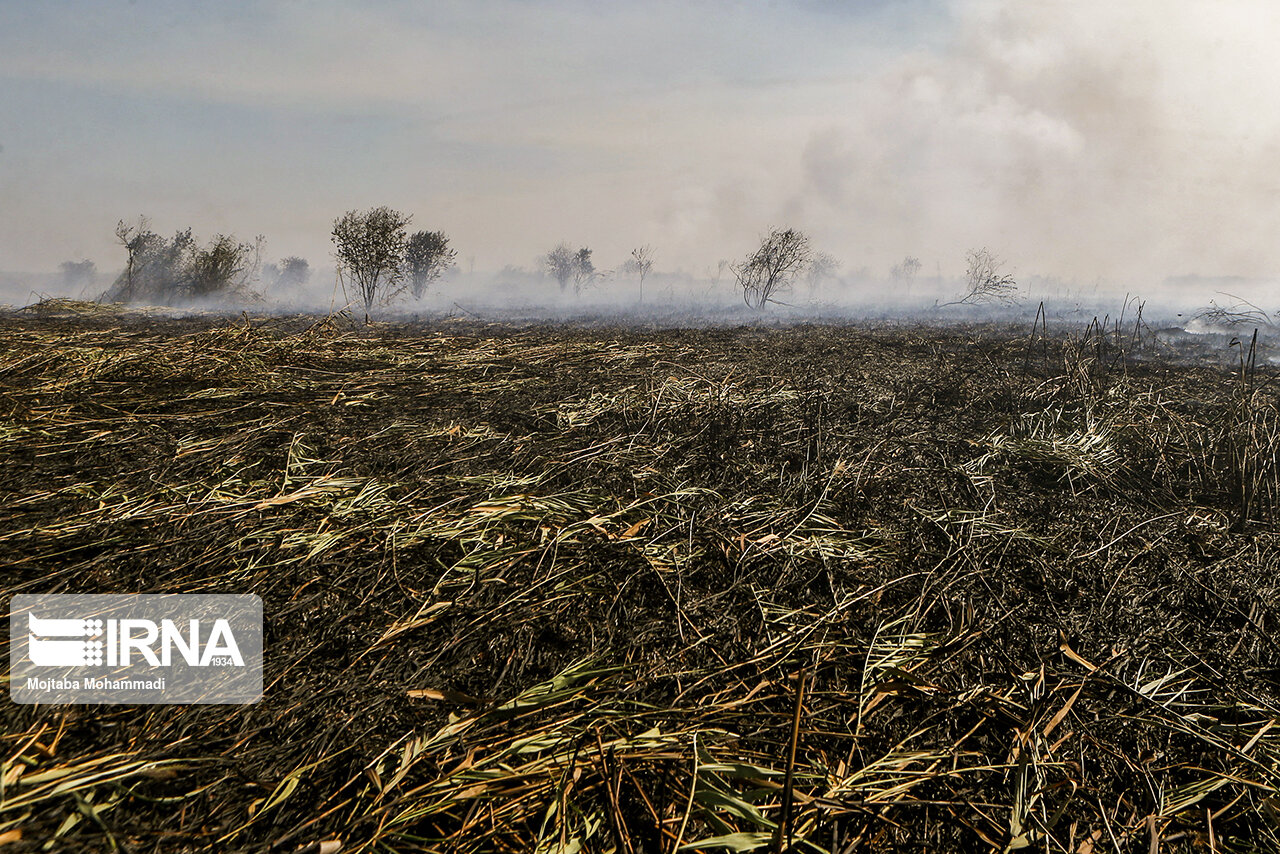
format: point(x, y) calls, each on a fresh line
point(570, 589)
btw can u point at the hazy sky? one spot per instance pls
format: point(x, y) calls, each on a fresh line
point(1126, 139)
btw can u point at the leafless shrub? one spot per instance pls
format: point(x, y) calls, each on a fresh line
point(1239, 313)
point(782, 256)
point(639, 265)
point(986, 281)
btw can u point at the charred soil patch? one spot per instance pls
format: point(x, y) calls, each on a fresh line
point(558, 589)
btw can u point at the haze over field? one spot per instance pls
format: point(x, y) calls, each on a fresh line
point(1126, 142)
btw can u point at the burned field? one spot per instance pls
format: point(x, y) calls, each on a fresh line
point(563, 589)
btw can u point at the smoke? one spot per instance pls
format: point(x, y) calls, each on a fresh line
point(1128, 141)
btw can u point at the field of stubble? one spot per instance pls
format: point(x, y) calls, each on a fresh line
point(600, 589)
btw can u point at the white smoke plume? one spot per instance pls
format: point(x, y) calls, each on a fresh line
point(1129, 141)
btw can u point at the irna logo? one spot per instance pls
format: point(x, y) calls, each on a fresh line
point(83, 642)
point(135, 649)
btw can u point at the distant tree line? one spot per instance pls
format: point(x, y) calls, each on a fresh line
point(378, 260)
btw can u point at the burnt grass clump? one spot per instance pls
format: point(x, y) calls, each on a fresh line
point(605, 589)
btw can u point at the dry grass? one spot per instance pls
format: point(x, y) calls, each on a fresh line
point(552, 590)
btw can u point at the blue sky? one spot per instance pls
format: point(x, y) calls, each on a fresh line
point(1076, 137)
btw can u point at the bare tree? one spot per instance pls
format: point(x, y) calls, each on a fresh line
point(986, 281)
point(783, 255)
point(370, 250)
point(427, 256)
point(639, 265)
